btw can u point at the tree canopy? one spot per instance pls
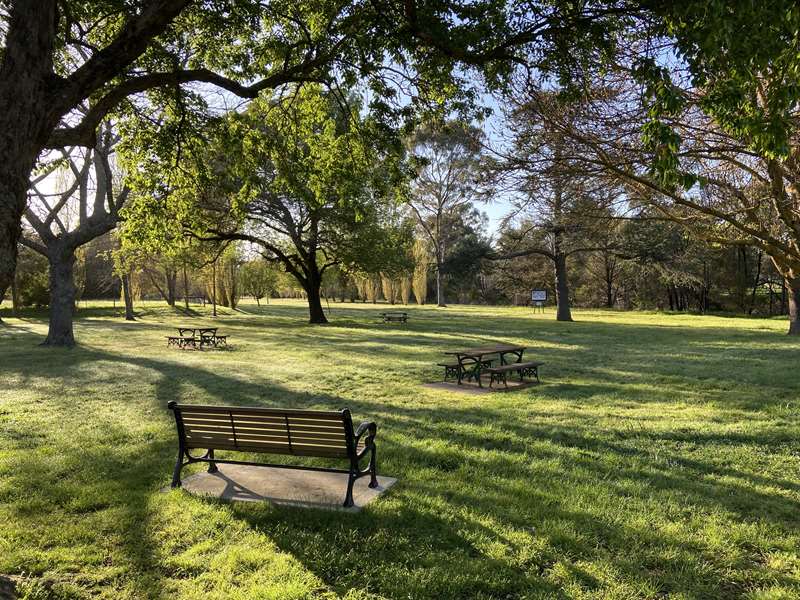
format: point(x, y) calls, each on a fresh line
point(307, 181)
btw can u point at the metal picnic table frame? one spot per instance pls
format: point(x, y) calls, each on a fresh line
point(394, 316)
point(205, 336)
point(471, 361)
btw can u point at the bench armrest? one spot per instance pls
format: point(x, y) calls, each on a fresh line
point(366, 426)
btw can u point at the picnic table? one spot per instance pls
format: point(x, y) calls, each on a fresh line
point(473, 360)
point(394, 317)
point(197, 337)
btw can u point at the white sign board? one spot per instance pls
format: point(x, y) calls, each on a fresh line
point(539, 295)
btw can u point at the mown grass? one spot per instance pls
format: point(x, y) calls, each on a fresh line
point(658, 459)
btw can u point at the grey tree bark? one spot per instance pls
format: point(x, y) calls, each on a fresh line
point(127, 297)
point(793, 294)
point(62, 296)
point(563, 312)
point(98, 213)
point(439, 291)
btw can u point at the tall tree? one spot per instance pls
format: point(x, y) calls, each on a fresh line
point(559, 210)
point(58, 54)
point(722, 184)
point(446, 184)
point(303, 179)
point(86, 206)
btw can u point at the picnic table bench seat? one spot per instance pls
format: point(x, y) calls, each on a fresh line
point(221, 340)
point(394, 317)
point(524, 369)
point(313, 433)
point(181, 341)
point(453, 369)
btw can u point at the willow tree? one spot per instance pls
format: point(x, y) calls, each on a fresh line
point(419, 279)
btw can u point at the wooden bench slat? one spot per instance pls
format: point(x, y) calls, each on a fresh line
point(208, 432)
point(300, 450)
point(264, 445)
point(187, 409)
point(206, 423)
point(225, 424)
point(338, 422)
point(512, 367)
point(294, 434)
point(262, 434)
point(268, 435)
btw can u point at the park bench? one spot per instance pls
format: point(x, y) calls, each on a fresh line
point(314, 433)
point(181, 341)
point(394, 317)
point(525, 369)
point(453, 369)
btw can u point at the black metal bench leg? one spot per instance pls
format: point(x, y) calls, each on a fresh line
point(212, 466)
point(348, 498)
point(373, 472)
point(176, 473)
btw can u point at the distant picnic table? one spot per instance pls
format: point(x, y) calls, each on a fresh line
point(394, 317)
point(472, 362)
point(197, 337)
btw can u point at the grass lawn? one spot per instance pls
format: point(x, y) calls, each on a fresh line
point(660, 458)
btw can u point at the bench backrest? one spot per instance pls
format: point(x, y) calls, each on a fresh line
point(267, 430)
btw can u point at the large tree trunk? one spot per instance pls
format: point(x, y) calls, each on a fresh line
point(793, 292)
point(185, 288)
point(127, 297)
point(15, 301)
point(14, 173)
point(312, 288)
point(563, 312)
point(62, 297)
point(171, 279)
point(214, 289)
point(27, 116)
point(756, 283)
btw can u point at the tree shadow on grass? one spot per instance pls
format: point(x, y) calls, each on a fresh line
point(478, 512)
point(457, 512)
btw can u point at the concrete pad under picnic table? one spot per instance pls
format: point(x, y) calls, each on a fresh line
point(471, 387)
point(284, 486)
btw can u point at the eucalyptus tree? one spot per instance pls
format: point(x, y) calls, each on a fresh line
point(558, 209)
point(446, 185)
point(57, 55)
point(702, 122)
point(74, 200)
point(727, 184)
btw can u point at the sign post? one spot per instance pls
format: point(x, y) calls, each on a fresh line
point(538, 298)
